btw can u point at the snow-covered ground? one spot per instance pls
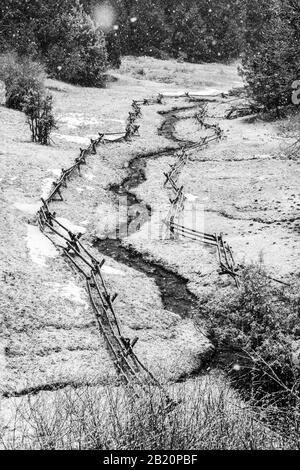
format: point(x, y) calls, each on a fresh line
point(76, 349)
point(40, 248)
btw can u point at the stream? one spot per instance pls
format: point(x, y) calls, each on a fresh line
point(173, 289)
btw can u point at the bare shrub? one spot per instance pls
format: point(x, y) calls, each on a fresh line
point(24, 91)
point(208, 416)
point(21, 77)
point(257, 327)
point(289, 130)
point(38, 109)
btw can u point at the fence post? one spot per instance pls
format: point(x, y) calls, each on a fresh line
point(172, 231)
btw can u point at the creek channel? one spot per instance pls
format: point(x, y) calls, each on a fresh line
point(174, 292)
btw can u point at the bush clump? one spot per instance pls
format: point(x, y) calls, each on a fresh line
point(38, 109)
point(260, 325)
point(24, 91)
point(210, 30)
point(207, 417)
point(271, 60)
point(21, 76)
point(59, 34)
point(75, 51)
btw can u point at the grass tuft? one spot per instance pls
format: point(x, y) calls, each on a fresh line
point(209, 416)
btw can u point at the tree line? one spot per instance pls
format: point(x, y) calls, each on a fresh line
point(58, 33)
point(206, 31)
point(63, 35)
point(196, 31)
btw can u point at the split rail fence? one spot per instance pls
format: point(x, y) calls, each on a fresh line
point(130, 369)
point(225, 254)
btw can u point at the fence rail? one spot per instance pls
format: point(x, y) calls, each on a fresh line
point(225, 255)
point(130, 369)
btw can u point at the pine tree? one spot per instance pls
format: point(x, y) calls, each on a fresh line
point(76, 48)
point(59, 33)
point(200, 31)
point(272, 63)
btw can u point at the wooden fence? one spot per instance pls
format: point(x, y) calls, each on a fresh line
point(177, 200)
point(129, 367)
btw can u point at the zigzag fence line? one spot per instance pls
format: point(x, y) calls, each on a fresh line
point(130, 369)
point(241, 111)
point(225, 255)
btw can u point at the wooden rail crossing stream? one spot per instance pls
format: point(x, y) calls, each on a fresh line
point(132, 372)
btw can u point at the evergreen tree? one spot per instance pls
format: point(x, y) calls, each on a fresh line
point(59, 33)
point(208, 31)
point(17, 26)
point(200, 31)
point(113, 49)
point(271, 60)
point(75, 49)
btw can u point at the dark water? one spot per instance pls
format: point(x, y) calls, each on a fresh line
point(175, 295)
point(173, 288)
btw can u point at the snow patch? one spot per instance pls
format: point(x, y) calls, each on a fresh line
point(203, 92)
point(112, 138)
point(28, 208)
point(46, 187)
point(74, 120)
point(89, 176)
point(191, 197)
point(74, 293)
point(40, 248)
point(70, 226)
point(73, 138)
point(87, 140)
point(176, 93)
point(113, 120)
point(55, 171)
point(110, 270)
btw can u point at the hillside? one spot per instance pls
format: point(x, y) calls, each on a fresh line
point(246, 188)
